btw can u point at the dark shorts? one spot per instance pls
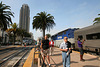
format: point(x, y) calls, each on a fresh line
point(45, 52)
point(81, 51)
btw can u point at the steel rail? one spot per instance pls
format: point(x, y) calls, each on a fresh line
point(2, 61)
point(17, 62)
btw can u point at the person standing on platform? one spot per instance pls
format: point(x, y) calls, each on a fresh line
point(51, 43)
point(80, 45)
point(38, 45)
point(65, 47)
point(45, 49)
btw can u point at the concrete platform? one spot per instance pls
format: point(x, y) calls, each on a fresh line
point(56, 59)
point(90, 60)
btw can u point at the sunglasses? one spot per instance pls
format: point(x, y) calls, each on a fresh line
point(66, 38)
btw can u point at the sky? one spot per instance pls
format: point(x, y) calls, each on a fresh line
point(67, 13)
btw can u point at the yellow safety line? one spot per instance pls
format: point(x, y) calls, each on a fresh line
point(29, 61)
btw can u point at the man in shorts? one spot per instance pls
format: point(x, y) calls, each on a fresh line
point(45, 49)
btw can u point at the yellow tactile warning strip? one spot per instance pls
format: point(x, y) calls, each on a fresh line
point(29, 61)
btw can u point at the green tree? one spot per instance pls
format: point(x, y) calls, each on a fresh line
point(43, 21)
point(5, 16)
point(96, 20)
point(27, 34)
point(13, 29)
point(48, 35)
point(22, 33)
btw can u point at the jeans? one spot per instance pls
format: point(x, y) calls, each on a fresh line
point(66, 59)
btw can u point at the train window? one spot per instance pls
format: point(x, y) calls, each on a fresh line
point(60, 33)
point(81, 37)
point(93, 36)
point(64, 32)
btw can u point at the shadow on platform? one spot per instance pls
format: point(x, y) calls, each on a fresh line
point(92, 59)
point(57, 54)
point(59, 64)
point(90, 66)
point(73, 62)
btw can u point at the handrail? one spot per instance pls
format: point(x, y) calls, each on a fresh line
point(42, 64)
point(40, 58)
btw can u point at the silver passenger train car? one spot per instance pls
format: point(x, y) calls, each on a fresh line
point(91, 34)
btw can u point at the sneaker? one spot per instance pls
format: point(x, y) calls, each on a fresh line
point(49, 65)
point(82, 60)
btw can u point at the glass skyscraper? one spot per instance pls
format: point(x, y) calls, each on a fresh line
point(24, 18)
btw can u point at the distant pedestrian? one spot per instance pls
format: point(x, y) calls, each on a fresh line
point(22, 44)
point(38, 45)
point(25, 44)
point(65, 47)
point(35, 43)
point(80, 45)
point(45, 49)
point(51, 44)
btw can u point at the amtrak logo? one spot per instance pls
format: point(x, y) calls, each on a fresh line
point(60, 37)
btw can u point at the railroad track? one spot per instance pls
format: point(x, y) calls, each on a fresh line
point(3, 49)
point(7, 54)
point(18, 56)
point(19, 62)
point(7, 50)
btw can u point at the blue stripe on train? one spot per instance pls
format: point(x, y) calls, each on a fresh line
point(68, 32)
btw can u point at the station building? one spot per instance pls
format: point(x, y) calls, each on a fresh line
point(4, 38)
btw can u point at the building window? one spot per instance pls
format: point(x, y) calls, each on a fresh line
point(81, 37)
point(93, 36)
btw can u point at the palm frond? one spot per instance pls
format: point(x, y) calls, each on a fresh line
point(5, 15)
point(42, 21)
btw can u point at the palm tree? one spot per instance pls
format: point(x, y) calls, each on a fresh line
point(96, 20)
point(43, 21)
point(13, 29)
point(5, 16)
point(48, 35)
